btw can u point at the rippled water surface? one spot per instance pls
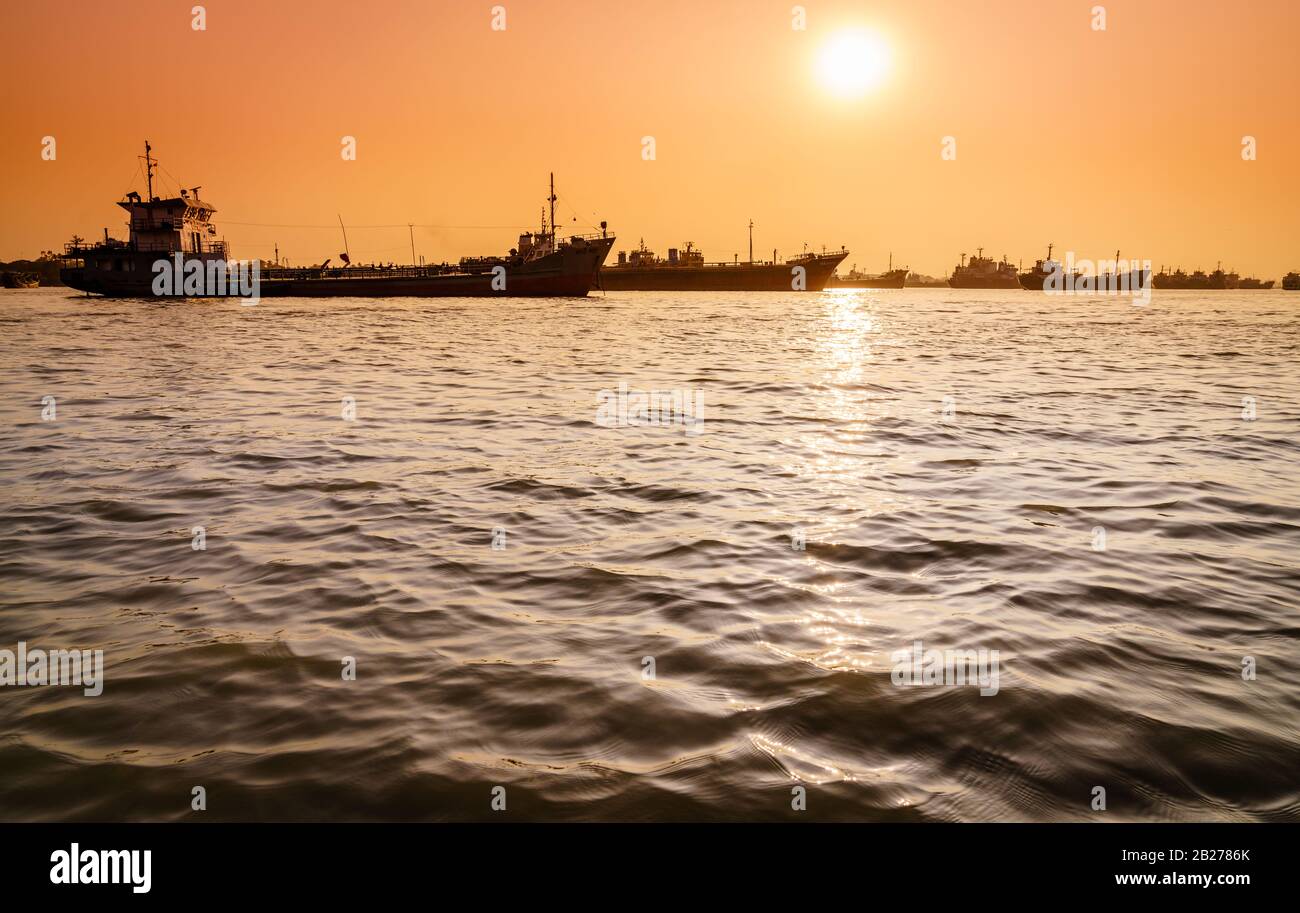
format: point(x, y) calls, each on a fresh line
point(966, 523)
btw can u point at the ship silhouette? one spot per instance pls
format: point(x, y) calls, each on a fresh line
point(984, 272)
point(1218, 280)
point(181, 230)
point(890, 279)
point(685, 269)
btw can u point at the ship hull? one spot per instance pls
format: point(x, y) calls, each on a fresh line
point(571, 271)
point(894, 279)
point(1003, 282)
point(744, 277)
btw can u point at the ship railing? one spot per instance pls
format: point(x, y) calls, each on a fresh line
point(78, 248)
point(357, 272)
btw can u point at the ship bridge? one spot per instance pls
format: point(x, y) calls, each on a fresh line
point(182, 223)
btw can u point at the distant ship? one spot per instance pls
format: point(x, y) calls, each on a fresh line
point(1221, 280)
point(180, 230)
point(1291, 282)
point(1250, 282)
point(1132, 280)
point(984, 272)
point(1217, 280)
point(892, 278)
point(686, 270)
point(1181, 280)
point(1034, 280)
point(10, 279)
point(1037, 279)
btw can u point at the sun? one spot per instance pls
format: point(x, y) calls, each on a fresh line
point(853, 62)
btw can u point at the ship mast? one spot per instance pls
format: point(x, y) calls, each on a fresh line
point(148, 168)
point(751, 240)
point(551, 198)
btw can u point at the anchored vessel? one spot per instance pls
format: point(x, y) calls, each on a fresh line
point(1253, 283)
point(1035, 280)
point(685, 270)
point(892, 278)
point(1134, 279)
point(1051, 275)
point(1181, 280)
point(1217, 280)
point(1291, 282)
point(179, 230)
point(984, 272)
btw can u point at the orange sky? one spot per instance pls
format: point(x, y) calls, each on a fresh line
point(1128, 138)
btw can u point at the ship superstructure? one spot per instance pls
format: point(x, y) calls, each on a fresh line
point(984, 272)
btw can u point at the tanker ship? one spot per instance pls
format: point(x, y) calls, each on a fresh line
point(984, 272)
point(178, 232)
point(1052, 276)
point(685, 270)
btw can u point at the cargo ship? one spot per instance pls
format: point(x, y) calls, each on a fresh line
point(1253, 283)
point(984, 272)
point(685, 269)
point(1291, 282)
point(1035, 280)
point(1180, 280)
point(892, 278)
point(1199, 280)
point(1117, 282)
point(1221, 280)
point(179, 230)
point(1041, 278)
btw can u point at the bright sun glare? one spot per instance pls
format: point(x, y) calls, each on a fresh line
point(853, 62)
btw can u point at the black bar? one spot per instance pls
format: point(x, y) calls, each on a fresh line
point(870, 861)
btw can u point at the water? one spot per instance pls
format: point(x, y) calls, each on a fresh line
point(965, 523)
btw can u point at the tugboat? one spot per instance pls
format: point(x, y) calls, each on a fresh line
point(686, 270)
point(984, 272)
point(180, 230)
point(893, 278)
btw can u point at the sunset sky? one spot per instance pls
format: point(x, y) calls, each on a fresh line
point(1127, 138)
